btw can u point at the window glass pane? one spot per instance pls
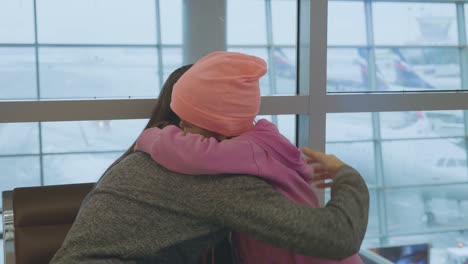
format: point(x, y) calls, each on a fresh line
point(171, 21)
point(397, 69)
point(414, 146)
point(19, 171)
point(349, 127)
point(437, 208)
point(19, 138)
point(418, 161)
point(16, 21)
point(172, 59)
point(104, 135)
point(419, 69)
point(17, 73)
point(76, 168)
point(98, 72)
point(284, 22)
point(284, 71)
point(415, 23)
point(265, 88)
point(359, 155)
point(373, 224)
point(97, 22)
point(246, 22)
point(466, 20)
point(348, 71)
point(72, 151)
point(415, 164)
point(427, 124)
point(346, 23)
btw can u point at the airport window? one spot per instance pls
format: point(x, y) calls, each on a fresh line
point(87, 49)
point(266, 29)
point(416, 174)
point(61, 51)
point(82, 22)
point(79, 50)
point(49, 153)
point(414, 162)
point(386, 46)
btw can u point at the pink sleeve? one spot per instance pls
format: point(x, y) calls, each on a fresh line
point(195, 154)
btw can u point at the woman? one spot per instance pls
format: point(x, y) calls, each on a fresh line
point(140, 212)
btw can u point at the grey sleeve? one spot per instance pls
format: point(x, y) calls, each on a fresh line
point(335, 231)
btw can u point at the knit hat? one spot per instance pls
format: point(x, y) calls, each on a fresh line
point(220, 92)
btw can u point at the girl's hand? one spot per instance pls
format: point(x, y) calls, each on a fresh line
point(325, 167)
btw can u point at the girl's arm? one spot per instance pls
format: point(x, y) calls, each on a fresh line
point(195, 154)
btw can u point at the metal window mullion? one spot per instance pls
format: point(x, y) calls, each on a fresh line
point(423, 138)
point(377, 144)
point(38, 93)
point(75, 110)
point(461, 16)
point(418, 1)
point(371, 60)
point(312, 50)
point(462, 35)
point(61, 45)
point(423, 232)
point(159, 42)
point(404, 101)
point(396, 46)
point(318, 73)
point(271, 70)
point(418, 186)
point(380, 176)
point(269, 25)
point(82, 152)
point(463, 53)
point(71, 110)
point(204, 28)
point(256, 46)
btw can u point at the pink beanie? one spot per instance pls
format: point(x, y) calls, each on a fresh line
point(220, 92)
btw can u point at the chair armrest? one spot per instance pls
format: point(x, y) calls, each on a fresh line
point(8, 227)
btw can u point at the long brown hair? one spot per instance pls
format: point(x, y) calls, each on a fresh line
point(162, 114)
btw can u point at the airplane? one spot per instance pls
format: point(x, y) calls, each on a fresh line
point(348, 71)
point(405, 75)
point(428, 162)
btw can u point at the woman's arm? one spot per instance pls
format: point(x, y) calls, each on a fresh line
point(335, 231)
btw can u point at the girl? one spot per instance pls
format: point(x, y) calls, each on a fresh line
point(217, 101)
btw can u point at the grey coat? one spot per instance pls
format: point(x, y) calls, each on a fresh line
point(142, 213)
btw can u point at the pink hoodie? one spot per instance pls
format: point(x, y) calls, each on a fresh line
point(263, 152)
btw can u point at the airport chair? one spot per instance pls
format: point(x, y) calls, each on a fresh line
point(37, 219)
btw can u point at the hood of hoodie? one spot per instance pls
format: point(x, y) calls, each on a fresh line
point(267, 135)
